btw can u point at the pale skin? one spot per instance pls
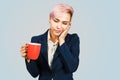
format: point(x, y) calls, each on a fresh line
point(59, 27)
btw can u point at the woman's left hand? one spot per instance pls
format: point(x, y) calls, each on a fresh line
point(63, 35)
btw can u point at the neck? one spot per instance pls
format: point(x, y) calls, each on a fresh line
point(53, 38)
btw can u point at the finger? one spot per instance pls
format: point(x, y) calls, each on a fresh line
point(24, 46)
point(23, 51)
point(68, 28)
point(66, 31)
point(24, 55)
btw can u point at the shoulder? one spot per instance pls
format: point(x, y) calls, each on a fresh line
point(71, 39)
point(72, 36)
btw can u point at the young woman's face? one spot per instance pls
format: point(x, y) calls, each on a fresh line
point(59, 23)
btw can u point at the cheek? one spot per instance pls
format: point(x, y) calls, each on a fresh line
point(53, 24)
point(64, 27)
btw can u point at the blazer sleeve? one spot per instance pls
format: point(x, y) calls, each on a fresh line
point(32, 65)
point(70, 55)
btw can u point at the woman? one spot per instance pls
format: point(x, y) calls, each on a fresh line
point(59, 55)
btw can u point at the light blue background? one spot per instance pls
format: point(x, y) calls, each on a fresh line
point(97, 23)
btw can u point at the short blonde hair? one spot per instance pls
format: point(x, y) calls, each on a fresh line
point(61, 8)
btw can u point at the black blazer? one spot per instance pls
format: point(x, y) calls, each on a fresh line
point(65, 61)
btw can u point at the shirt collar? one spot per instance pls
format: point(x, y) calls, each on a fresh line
point(56, 43)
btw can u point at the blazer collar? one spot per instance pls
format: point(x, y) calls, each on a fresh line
point(44, 46)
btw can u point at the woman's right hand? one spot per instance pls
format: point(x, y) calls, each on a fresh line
point(23, 51)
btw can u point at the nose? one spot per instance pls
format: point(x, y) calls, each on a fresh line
point(59, 25)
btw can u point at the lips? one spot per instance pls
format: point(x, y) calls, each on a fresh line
point(58, 31)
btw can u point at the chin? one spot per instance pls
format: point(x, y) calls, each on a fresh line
point(57, 34)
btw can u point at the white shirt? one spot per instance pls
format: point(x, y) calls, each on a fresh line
point(51, 49)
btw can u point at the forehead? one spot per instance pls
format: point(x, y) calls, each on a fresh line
point(62, 16)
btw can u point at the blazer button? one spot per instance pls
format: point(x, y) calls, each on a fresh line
point(53, 74)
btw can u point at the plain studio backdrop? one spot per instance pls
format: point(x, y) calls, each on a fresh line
point(97, 23)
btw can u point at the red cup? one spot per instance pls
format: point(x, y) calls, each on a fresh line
point(33, 51)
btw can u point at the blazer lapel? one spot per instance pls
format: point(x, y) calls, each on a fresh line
point(56, 54)
point(44, 46)
point(57, 50)
point(55, 57)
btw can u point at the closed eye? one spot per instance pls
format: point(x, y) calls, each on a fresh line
point(55, 20)
point(65, 22)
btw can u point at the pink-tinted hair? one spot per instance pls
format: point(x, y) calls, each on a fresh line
point(61, 8)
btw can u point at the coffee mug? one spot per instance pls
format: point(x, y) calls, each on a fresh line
point(33, 50)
